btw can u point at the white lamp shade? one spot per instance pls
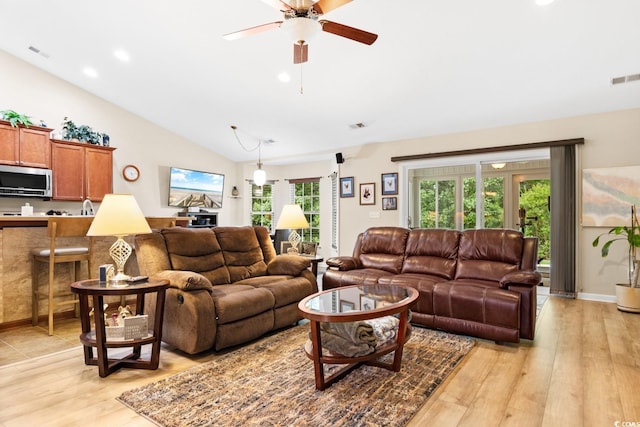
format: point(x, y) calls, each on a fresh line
point(259, 177)
point(119, 215)
point(292, 217)
point(301, 28)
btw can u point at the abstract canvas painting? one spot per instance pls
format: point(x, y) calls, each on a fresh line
point(607, 195)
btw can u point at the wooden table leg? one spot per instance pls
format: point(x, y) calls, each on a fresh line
point(157, 329)
point(318, 367)
point(101, 338)
point(85, 323)
point(402, 330)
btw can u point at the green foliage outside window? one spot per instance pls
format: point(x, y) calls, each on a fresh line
point(534, 197)
point(262, 205)
point(307, 195)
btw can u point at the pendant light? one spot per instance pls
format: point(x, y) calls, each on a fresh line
point(259, 175)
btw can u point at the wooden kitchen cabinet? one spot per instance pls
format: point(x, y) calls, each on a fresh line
point(22, 146)
point(81, 171)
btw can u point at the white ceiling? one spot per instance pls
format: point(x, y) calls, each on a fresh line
point(437, 66)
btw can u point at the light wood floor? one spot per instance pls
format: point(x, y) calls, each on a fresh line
point(583, 369)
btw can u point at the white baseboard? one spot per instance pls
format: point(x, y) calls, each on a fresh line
point(597, 297)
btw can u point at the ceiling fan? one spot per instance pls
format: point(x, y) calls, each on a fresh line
point(302, 21)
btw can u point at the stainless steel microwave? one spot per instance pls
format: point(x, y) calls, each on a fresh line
point(18, 181)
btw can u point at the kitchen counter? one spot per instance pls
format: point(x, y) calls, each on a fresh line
point(18, 235)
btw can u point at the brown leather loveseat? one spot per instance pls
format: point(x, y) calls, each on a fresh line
point(227, 285)
point(475, 282)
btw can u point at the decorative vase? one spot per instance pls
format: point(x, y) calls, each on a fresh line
point(234, 191)
point(105, 140)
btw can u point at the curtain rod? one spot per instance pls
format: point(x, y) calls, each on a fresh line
point(528, 146)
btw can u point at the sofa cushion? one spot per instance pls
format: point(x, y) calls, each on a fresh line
point(285, 289)
point(242, 252)
point(236, 302)
point(185, 280)
point(288, 265)
point(489, 254)
point(423, 283)
point(477, 303)
point(432, 251)
point(362, 276)
point(196, 250)
point(382, 248)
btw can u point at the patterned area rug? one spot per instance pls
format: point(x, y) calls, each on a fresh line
point(271, 383)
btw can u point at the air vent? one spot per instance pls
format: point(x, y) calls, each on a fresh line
point(357, 126)
point(39, 52)
point(625, 79)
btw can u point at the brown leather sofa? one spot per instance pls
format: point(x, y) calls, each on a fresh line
point(227, 285)
point(475, 282)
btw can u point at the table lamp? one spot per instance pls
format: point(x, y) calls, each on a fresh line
point(292, 218)
point(119, 215)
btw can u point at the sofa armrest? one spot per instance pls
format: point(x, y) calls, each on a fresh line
point(522, 277)
point(184, 280)
point(343, 263)
point(288, 265)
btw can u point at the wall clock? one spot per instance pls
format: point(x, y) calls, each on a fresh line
point(131, 173)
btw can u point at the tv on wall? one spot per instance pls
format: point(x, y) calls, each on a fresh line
point(191, 188)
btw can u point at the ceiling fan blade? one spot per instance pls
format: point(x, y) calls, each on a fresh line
point(300, 53)
point(348, 32)
point(251, 31)
point(324, 6)
point(277, 4)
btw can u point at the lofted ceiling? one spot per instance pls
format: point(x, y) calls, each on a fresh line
point(436, 67)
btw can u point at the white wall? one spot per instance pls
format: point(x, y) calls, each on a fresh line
point(31, 91)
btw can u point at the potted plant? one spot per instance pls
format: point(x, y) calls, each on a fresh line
point(627, 294)
point(81, 133)
point(16, 118)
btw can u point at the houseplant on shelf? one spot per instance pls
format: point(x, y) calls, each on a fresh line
point(84, 133)
point(16, 118)
point(627, 294)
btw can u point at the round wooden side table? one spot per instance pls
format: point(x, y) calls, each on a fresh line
point(98, 338)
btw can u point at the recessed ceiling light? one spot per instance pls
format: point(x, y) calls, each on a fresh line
point(121, 55)
point(90, 72)
point(543, 2)
point(284, 77)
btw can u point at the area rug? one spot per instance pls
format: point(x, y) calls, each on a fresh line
point(271, 383)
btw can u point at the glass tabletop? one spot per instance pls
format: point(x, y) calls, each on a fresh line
point(357, 299)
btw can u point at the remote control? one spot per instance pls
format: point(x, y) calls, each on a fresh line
point(137, 278)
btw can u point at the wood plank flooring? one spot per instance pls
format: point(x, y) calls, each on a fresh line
point(583, 369)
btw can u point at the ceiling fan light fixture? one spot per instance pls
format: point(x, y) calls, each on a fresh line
point(301, 29)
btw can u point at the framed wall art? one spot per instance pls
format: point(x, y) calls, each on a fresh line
point(346, 187)
point(368, 193)
point(607, 195)
point(389, 183)
point(389, 203)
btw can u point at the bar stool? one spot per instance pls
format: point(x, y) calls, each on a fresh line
point(59, 227)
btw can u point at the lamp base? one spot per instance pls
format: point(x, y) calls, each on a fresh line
point(120, 252)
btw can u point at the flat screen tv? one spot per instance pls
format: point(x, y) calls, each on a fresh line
point(191, 188)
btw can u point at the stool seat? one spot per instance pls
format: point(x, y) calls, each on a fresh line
point(59, 227)
point(60, 251)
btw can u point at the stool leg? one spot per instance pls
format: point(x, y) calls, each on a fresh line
point(51, 290)
point(35, 297)
point(76, 274)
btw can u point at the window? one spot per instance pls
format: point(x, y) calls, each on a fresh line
point(306, 193)
point(262, 205)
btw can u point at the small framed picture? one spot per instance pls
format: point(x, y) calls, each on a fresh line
point(346, 306)
point(389, 203)
point(368, 193)
point(346, 187)
point(367, 303)
point(389, 183)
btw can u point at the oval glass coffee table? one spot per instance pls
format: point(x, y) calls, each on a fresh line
point(352, 304)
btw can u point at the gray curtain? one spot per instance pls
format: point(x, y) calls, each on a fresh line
point(563, 220)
